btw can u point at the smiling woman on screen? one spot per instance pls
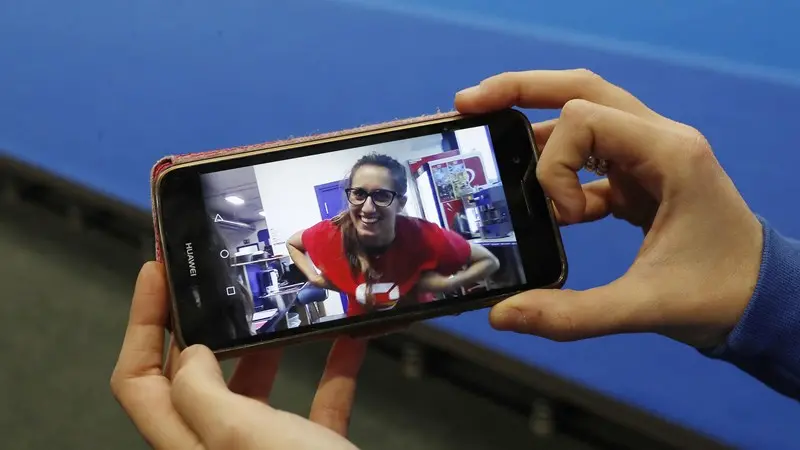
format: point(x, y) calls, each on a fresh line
point(380, 258)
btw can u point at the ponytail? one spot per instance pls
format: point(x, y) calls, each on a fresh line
point(352, 247)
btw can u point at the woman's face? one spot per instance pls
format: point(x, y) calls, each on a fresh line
point(374, 223)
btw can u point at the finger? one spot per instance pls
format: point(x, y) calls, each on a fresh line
point(333, 402)
point(173, 353)
point(542, 132)
point(567, 315)
point(202, 398)
point(143, 347)
point(255, 374)
point(137, 382)
point(550, 89)
point(630, 144)
point(223, 419)
point(598, 202)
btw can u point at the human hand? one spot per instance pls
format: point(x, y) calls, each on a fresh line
point(434, 282)
point(189, 405)
point(699, 261)
point(321, 282)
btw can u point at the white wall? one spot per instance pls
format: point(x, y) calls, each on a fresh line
point(290, 202)
point(476, 140)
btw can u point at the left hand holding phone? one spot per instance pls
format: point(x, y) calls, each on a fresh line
point(188, 403)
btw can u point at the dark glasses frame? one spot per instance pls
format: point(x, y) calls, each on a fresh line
point(370, 194)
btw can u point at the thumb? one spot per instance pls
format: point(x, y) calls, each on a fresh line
point(198, 364)
point(569, 315)
point(200, 393)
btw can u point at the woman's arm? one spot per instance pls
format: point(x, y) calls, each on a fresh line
point(481, 264)
point(297, 252)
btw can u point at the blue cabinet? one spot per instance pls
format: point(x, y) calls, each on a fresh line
point(331, 199)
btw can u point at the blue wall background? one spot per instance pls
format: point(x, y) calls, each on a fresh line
point(759, 35)
point(97, 91)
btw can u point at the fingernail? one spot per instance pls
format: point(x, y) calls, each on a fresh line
point(468, 91)
point(507, 318)
point(144, 272)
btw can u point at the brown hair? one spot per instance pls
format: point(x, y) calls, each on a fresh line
point(352, 247)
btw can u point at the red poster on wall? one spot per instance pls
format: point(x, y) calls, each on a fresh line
point(415, 164)
point(474, 166)
point(457, 176)
point(451, 210)
point(454, 178)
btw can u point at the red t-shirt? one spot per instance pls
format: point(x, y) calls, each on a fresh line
point(419, 246)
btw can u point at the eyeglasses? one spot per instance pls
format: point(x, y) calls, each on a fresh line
point(381, 197)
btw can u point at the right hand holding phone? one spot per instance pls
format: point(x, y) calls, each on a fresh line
point(699, 261)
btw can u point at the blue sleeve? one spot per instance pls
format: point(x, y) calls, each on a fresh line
point(766, 341)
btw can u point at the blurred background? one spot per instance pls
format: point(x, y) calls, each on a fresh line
point(92, 93)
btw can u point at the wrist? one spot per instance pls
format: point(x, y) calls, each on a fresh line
point(769, 312)
point(450, 282)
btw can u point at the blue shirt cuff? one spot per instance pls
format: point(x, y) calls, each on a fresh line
point(766, 341)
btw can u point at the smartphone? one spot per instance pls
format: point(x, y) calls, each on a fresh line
point(354, 231)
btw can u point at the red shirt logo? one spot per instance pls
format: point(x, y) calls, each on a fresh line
point(419, 246)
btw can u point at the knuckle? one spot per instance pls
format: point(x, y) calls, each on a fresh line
point(699, 142)
point(500, 78)
point(695, 145)
point(542, 170)
point(545, 173)
point(116, 385)
point(558, 324)
point(551, 322)
point(577, 112)
point(587, 75)
point(591, 85)
point(508, 75)
point(509, 80)
point(333, 415)
point(575, 108)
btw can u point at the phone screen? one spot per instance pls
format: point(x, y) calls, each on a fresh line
point(388, 227)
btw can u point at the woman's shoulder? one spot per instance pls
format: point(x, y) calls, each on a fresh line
point(322, 229)
point(428, 238)
point(419, 226)
point(325, 224)
point(411, 222)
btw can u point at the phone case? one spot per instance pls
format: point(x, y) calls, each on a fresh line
point(174, 160)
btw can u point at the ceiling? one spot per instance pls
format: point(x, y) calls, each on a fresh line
point(239, 182)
